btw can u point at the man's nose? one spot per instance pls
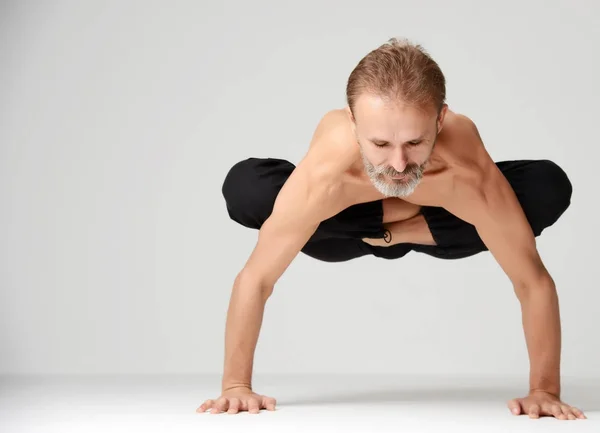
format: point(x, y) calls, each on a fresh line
point(399, 160)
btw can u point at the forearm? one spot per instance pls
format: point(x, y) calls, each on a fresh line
point(244, 320)
point(541, 323)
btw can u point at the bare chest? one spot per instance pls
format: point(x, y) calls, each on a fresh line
point(458, 160)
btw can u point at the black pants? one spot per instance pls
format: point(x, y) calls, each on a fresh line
point(251, 186)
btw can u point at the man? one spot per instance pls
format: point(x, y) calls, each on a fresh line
point(396, 171)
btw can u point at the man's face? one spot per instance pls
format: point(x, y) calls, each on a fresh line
point(395, 141)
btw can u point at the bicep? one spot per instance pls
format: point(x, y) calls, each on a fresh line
point(299, 208)
point(495, 211)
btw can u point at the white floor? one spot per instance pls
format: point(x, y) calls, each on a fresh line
point(329, 403)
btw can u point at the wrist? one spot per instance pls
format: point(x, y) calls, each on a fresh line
point(226, 386)
point(549, 383)
point(553, 392)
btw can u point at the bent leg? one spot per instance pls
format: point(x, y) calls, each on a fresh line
point(542, 188)
point(251, 187)
point(397, 209)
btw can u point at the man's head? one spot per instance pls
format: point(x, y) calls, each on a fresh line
point(396, 100)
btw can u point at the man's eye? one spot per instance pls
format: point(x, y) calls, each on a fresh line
point(412, 143)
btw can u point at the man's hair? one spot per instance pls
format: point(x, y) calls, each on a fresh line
point(401, 71)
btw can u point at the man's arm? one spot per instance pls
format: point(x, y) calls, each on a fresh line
point(491, 205)
point(298, 210)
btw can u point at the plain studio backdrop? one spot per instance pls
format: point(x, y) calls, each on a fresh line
point(120, 119)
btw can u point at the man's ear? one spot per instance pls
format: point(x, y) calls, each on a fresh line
point(351, 117)
point(441, 116)
point(349, 112)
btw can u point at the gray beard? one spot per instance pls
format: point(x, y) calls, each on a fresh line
point(390, 187)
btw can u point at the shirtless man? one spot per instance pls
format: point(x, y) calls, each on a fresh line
point(396, 171)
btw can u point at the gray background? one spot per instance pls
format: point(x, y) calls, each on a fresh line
point(120, 119)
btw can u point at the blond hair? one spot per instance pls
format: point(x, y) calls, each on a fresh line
point(401, 71)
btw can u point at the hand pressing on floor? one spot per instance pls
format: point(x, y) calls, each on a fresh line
point(238, 399)
point(541, 403)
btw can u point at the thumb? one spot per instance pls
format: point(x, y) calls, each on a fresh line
point(515, 406)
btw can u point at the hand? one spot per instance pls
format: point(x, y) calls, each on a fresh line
point(238, 399)
point(545, 404)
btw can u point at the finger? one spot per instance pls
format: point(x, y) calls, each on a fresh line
point(234, 405)
point(546, 408)
point(253, 405)
point(570, 413)
point(220, 405)
point(515, 406)
point(269, 403)
point(534, 411)
point(566, 410)
point(205, 406)
point(578, 413)
point(556, 411)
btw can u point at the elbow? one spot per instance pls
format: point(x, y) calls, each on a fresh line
point(539, 284)
point(247, 280)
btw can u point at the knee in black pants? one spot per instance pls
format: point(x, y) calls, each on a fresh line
point(559, 183)
point(549, 196)
point(251, 187)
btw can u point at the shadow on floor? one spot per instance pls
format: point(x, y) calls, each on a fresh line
point(586, 398)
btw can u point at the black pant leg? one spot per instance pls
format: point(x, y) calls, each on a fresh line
point(542, 188)
point(251, 187)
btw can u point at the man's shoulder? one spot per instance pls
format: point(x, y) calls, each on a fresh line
point(468, 164)
point(461, 127)
point(334, 128)
point(463, 144)
point(323, 168)
point(332, 148)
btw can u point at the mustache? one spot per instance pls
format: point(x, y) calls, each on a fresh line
point(411, 169)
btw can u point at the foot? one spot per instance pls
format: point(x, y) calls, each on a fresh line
point(413, 231)
point(386, 241)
